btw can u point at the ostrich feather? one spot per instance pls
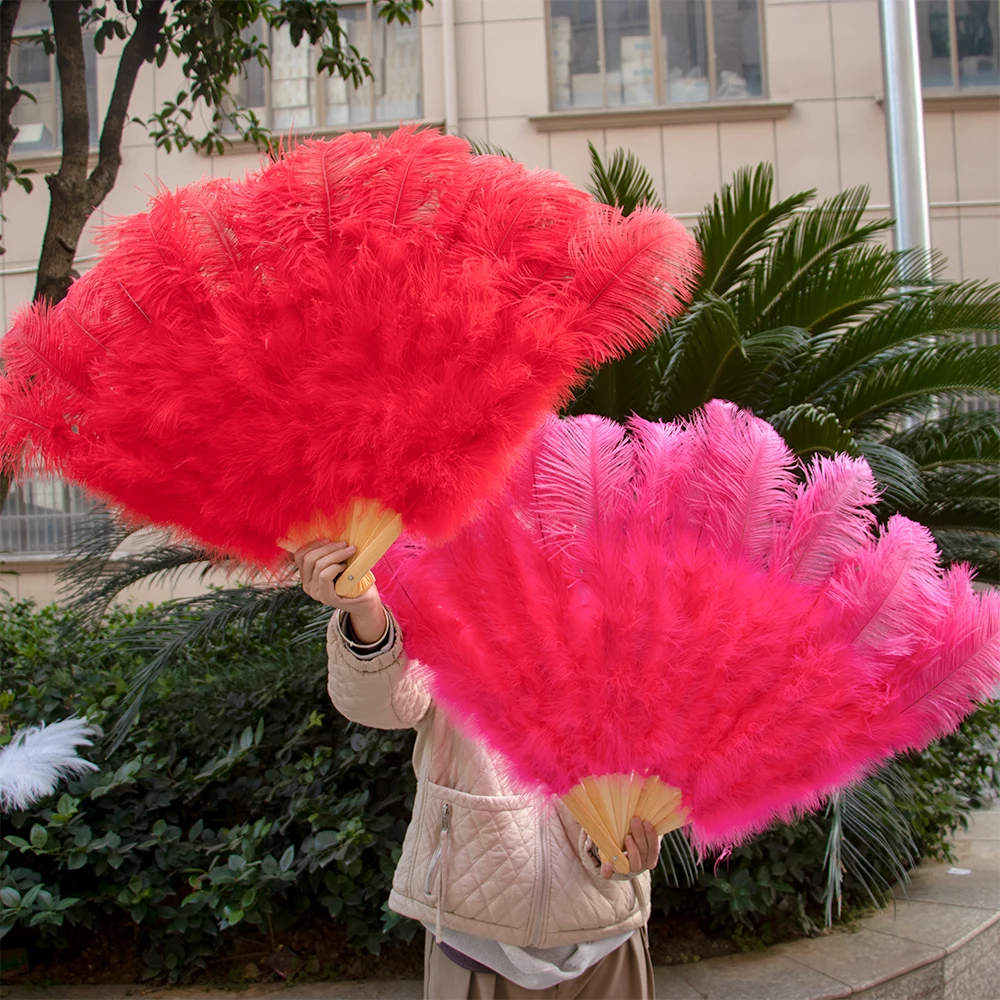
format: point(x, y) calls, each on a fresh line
point(380, 318)
point(39, 757)
point(701, 617)
point(831, 519)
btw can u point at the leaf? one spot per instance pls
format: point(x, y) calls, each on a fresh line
point(908, 384)
point(39, 836)
point(809, 241)
point(246, 739)
point(740, 222)
point(10, 897)
point(961, 309)
point(959, 437)
point(624, 183)
point(287, 858)
point(483, 147)
point(810, 430)
point(694, 356)
point(237, 862)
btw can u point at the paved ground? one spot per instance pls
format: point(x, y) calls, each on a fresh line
point(940, 940)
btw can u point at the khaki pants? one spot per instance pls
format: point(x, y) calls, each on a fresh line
point(625, 974)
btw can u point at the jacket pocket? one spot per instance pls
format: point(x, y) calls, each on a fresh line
point(482, 855)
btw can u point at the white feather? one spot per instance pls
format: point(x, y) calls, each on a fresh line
point(34, 761)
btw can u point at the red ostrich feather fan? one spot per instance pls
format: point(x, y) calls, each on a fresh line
point(364, 329)
point(666, 622)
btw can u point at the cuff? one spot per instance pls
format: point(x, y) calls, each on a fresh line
point(365, 650)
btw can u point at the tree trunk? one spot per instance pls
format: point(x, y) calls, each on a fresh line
point(9, 96)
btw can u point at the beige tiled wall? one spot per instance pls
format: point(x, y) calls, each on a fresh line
point(823, 55)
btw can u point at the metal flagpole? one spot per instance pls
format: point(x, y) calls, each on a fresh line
point(904, 123)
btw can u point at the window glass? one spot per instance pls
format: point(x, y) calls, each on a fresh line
point(396, 65)
point(977, 33)
point(35, 71)
point(31, 69)
point(293, 81)
point(345, 102)
point(628, 53)
point(934, 41)
point(576, 65)
point(736, 30)
point(685, 48)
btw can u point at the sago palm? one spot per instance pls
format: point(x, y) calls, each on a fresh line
point(804, 316)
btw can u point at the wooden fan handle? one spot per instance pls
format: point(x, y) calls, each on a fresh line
point(348, 585)
point(357, 576)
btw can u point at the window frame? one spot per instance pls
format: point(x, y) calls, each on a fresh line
point(954, 88)
point(17, 155)
point(659, 64)
point(319, 89)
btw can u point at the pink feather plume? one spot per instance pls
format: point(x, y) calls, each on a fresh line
point(670, 599)
point(386, 318)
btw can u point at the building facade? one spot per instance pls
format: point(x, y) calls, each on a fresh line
point(695, 88)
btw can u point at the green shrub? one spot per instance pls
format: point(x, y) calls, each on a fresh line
point(240, 796)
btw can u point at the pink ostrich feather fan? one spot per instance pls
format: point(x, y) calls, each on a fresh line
point(384, 318)
point(674, 600)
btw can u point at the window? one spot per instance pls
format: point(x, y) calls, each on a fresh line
point(33, 70)
point(291, 95)
point(958, 42)
point(42, 516)
point(617, 53)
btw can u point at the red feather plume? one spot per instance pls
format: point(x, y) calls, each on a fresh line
point(385, 318)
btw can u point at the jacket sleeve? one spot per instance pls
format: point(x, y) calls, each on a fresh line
point(384, 691)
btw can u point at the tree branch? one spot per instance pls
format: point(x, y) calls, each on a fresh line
point(72, 90)
point(9, 96)
point(140, 48)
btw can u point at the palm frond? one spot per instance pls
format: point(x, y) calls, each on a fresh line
point(980, 549)
point(955, 484)
point(960, 310)
point(810, 430)
point(869, 838)
point(958, 438)
point(690, 358)
point(483, 147)
point(175, 625)
point(92, 586)
point(807, 242)
point(624, 183)
point(898, 477)
point(740, 222)
point(912, 382)
point(850, 285)
point(678, 861)
point(751, 377)
point(99, 569)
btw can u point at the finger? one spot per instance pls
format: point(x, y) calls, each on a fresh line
point(312, 558)
point(633, 854)
point(337, 557)
point(654, 843)
point(298, 554)
point(607, 869)
point(639, 836)
point(305, 558)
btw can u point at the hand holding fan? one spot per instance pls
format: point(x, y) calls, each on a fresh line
point(666, 623)
point(357, 336)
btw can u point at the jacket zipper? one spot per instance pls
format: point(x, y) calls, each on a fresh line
point(542, 895)
point(432, 868)
point(442, 858)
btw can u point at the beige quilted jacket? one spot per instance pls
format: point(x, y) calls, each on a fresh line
point(477, 857)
